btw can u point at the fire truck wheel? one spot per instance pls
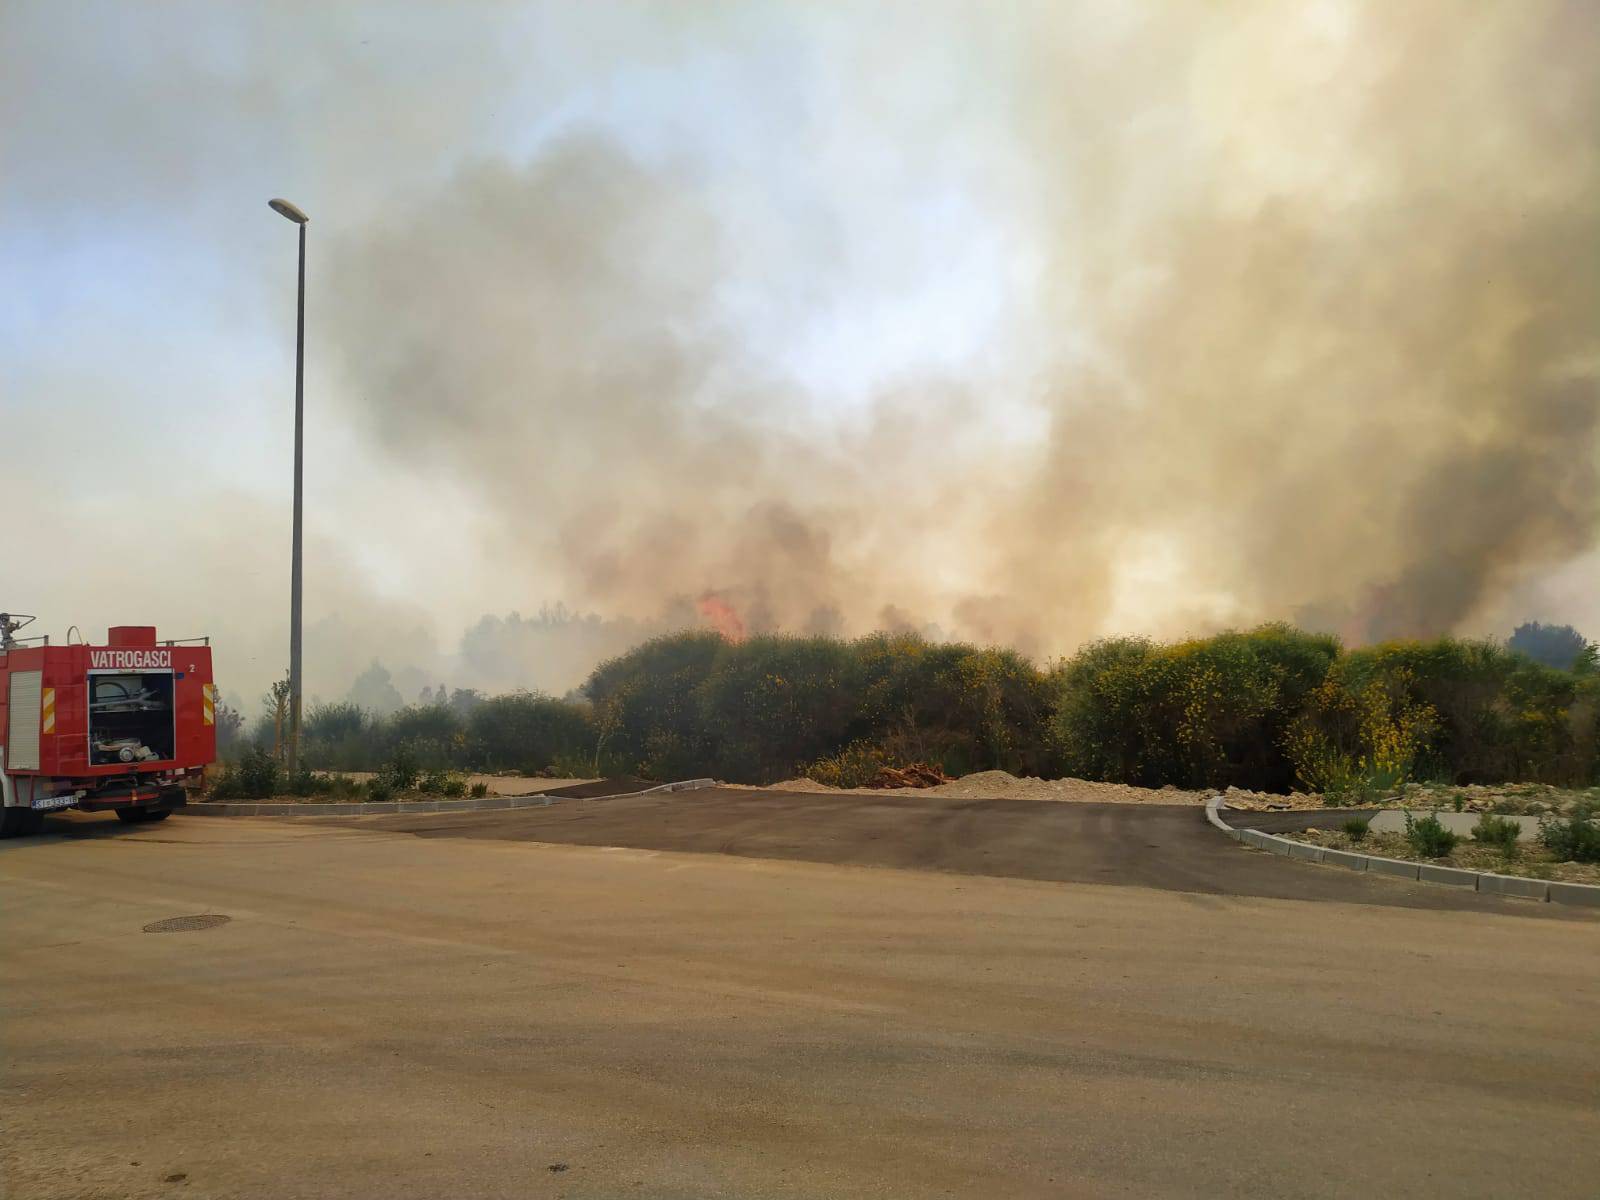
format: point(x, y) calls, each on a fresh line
point(141, 816)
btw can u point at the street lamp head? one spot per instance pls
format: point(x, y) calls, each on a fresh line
point(284, 209)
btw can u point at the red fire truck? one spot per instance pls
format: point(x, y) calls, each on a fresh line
point(119, 727)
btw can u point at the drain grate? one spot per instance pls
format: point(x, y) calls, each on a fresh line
point(187, 924)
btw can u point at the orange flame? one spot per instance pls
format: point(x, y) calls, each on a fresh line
point(722, 617)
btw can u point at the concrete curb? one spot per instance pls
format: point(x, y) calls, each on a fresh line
point(1521, 886)
point(276, 808)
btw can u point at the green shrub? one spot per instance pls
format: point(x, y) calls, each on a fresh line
point(1359, 735)
point(256, 775)
point(1497, 831)
point(529, 732)
point(852, 767)
point(304, 782)
point(577, 766)
point(773, 703)
point(340, 737)
point(1355, 828)
point(1429, 837)
point(1203, 713)
point(401, 772)
point(1570, 839)
point(480, 790)
point(433, 735)
point(222, 783)
point(644, 710)
point(379, 791)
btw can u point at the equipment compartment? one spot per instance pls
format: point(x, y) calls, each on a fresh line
point(130, 717)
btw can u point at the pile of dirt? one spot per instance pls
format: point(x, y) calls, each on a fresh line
point(917, 775)
point(1002, 785)
point(1247, 801)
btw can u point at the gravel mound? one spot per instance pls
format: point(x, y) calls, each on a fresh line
point(1271, 801)
point(1002, 785)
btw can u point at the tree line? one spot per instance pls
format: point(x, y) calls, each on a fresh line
point(1273, 708)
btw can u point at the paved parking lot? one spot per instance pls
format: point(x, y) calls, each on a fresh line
point(1168, 847)
point(397, 1016)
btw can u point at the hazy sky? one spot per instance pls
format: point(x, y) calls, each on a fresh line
point(1024, 322)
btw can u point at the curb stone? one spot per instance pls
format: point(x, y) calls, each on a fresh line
point(1575, 893)
point(1428, 873)
point(387, 807)
point(1392, 866)
point(1343, 858)
point(1587, 895)
point(1514, 885)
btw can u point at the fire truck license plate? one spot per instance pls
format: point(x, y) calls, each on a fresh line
point(48, 802)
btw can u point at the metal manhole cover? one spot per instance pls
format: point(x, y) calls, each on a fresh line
point(185, 924)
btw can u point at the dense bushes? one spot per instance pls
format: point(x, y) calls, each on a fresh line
point(519, 731)
point(531, 733)
point(1204, 713)
point(646, 712)
point(1276, 708)
point(762, 709)
point(1273, 708)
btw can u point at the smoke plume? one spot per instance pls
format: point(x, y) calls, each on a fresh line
point(1313, 338)
point(1019, 323)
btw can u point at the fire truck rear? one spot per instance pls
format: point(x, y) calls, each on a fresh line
point(121, 727)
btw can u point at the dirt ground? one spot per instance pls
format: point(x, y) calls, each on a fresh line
point(389, 1017)
point(498, 785)
point(1001, 785)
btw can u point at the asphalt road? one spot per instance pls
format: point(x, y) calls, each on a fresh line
point(1169, 847)
point(399, 1016)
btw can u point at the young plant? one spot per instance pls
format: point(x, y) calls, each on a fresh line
point(1575, 840)
point(1355, 828)
point(1500, 832)
point(1429, 837)
point(256, 776)
point(480, 790)
point(343, 787)
point(401, 771)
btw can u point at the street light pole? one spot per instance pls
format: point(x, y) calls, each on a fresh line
point(285, 209)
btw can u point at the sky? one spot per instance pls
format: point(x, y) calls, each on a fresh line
point(1025, 324)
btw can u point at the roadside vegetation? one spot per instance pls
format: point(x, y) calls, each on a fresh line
point(1272, 709)
point(1562, 847)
